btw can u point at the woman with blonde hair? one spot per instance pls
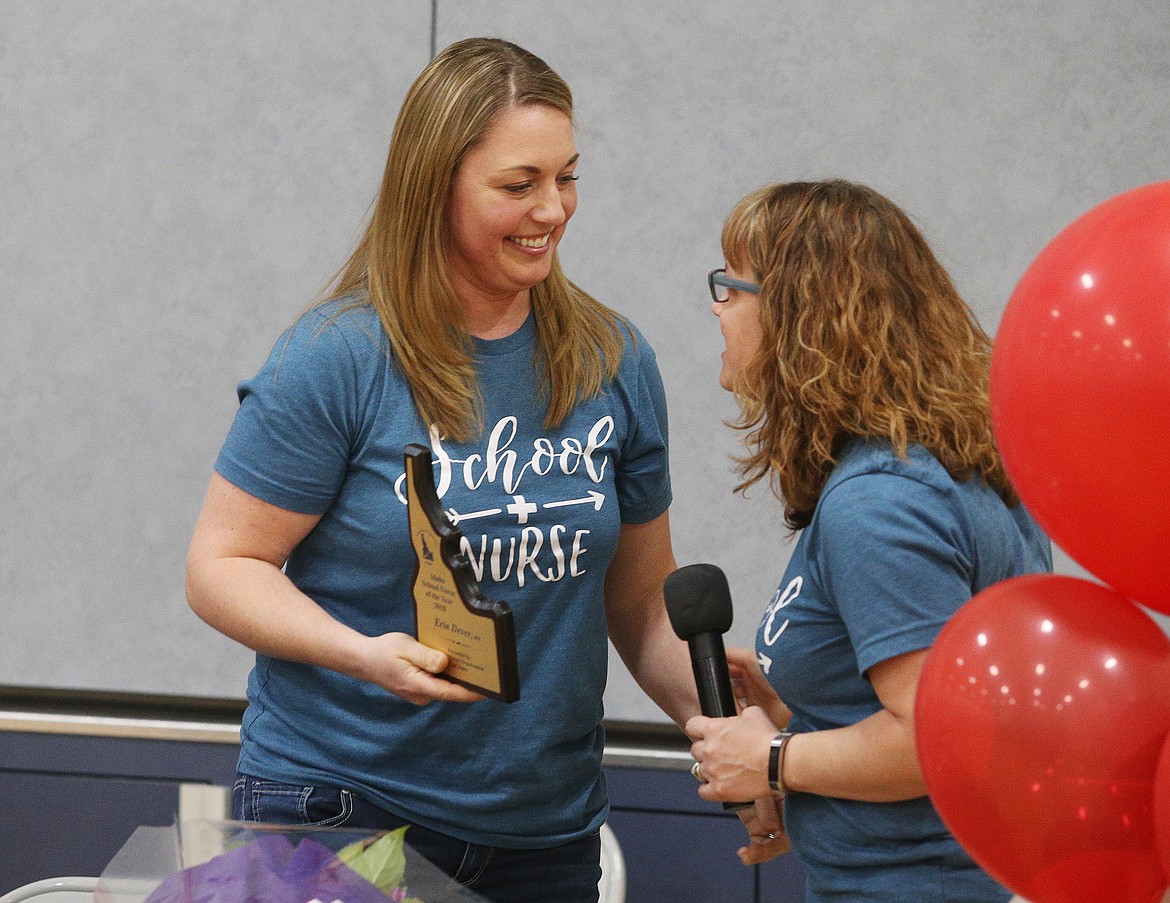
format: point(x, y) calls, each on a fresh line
point(452, 325)
point(862, 379)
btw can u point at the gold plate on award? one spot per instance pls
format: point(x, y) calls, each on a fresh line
point(450, 613)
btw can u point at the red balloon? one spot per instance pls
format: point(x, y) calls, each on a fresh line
point(1041, 712)
point(1080, 391)
point(1162, 807)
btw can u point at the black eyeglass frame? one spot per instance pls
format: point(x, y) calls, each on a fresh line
point(720, 278)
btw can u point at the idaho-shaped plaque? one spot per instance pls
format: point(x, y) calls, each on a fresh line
point(450, 612)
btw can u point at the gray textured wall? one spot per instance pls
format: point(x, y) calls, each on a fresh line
point(180, 179)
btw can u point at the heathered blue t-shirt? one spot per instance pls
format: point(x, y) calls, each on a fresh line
point(321, 429)
point(894, 548)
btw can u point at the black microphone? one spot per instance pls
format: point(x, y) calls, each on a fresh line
point(698, 602)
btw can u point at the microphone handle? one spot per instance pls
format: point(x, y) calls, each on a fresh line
point(713, 681)
point(709, 662)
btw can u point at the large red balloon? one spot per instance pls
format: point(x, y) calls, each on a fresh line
point(1080, 391)
point(1162, 807)
point(1041, 712)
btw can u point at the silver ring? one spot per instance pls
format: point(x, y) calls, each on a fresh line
point(697, 772)
point(771, 836)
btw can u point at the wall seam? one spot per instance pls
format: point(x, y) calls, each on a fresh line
point(434, 27)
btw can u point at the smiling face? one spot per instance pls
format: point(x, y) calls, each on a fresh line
point(739, 321)
point(513, 193)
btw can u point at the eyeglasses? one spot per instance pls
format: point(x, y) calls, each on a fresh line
point(719, 283)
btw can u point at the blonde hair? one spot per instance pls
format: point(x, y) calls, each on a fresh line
point(399, 266)
point(863, 336)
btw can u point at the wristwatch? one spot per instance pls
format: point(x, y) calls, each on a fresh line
point(776, 762)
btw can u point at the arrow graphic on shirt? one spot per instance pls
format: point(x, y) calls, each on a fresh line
point(456, 517)
point(594, 498)
point(521, 508)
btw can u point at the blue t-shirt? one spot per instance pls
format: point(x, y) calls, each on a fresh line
point(321, 429)
point(894, 548)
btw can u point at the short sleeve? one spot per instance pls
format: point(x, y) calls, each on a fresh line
point(895, 561)
point(290, 441)
point(643, 480)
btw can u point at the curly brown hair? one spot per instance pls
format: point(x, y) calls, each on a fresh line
point(863, 336)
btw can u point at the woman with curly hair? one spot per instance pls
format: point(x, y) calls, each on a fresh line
point(862, 379)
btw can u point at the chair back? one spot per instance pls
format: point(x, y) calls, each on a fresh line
point(54, 890)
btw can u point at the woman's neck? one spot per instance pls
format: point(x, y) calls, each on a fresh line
point(497, 319)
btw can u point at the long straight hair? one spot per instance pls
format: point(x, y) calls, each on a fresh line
point(399, 266)
point(864, 335)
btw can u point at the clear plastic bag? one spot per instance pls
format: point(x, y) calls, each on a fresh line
point(238, 862)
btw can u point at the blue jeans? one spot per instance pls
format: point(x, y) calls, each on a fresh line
point(566, 874)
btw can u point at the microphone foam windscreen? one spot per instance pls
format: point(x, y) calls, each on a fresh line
point(698, 600)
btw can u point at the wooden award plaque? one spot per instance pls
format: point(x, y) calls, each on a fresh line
point(450, 612)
